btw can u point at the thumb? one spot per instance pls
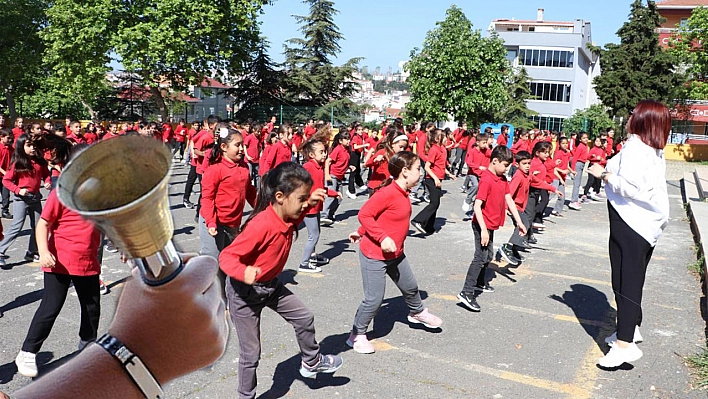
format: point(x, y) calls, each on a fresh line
point(258, 271)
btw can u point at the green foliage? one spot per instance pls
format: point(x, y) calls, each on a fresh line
point(592, 120)
point(698, 267)
point(515, 111)
point(312, 79)
point(688, 46)
point(20, 49)
point(382, 86)
point(699, 367)
point(342, 111)
point(637, 68)
point(458, 73)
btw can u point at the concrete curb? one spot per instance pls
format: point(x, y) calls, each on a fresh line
point(697, 213)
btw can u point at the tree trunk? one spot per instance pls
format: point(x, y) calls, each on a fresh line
point(160, 101)
point(92, 113)
point(10, 99)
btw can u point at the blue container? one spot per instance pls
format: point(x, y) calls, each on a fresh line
point(496, 128)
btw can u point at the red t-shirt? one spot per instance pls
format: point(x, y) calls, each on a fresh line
point(297, 141)
point(379, 169)
point(502, 140)
point(180, 133)
point(309, 131)
point(492, 190)
point(519, 189)
point(474, 159)
point(17, 132)
point(550, 165)
point(90, 138)
point(15, 181)
point(385, 214)
point(251, 144)
point(610, 148)
point(597, 155)
point(580, 154)
point(73, 240)
point(340, 162)
point(202, 140)
point(318, 181)
point(261, 162)
point(437, 157)
point(5, 156)
point(166, 132)
point(421, 138)
point(279, 153)
point(356, 140)
point(521, 145)
point(226, 186)
point(264, 243)
point(538, 180)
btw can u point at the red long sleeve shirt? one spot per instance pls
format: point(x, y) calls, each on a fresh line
point(538, 180)
point(226, 186)
point(610, 146)
point(264, 243)
point(474, 159)
point(340, 161)
point(502, 140)
point(5, 156)
point(385, 214)
point(550, 165)
point(520, 145)
point(519, 189)
point(318, 181)
point(437, 157)
point(379, 169)
point(279, 153)
point(580, 154)
point(421, 138)
point(261, 162)
point(597, 155)
point(15, 181)
point(564, 161)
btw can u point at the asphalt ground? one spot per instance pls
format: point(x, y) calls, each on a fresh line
point(538, 336)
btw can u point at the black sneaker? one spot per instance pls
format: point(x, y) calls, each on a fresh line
point(525, 245)
point(327, 364)
point(517, 255)
point(310, 267)
point(30, 257)
point(188, 204)
point(508, 255)
point(319, 259)
point(7, 215)
point(418, 227)
point(532, 240)
point(469, 301)
point(486, 288)
point(110, 247)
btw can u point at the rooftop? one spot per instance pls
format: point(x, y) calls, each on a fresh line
point(681, 4)
point(529, 22)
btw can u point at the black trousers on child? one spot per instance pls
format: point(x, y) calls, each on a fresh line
point(543, 200)
point(629, 257)
point(426, 217)
point(355, 175)
point(483, 254)
point(6, 199)
point(530, 211)
point(191, 178)
point(56, 287)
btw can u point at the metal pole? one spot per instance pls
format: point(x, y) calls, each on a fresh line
point(281, 114)
point(331, 116)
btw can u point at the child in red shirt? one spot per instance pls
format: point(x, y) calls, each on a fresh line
point(538, 193)
point(377, 163)
point(253, 262)
point(19, 128)
point(180, 139)
point(503, 138)
point(477, 161)
point(577, 163)
point(597, 155)
point(68, 254)
point(252, 144)
point(336, 165)
point(489, 212)
point(357, 145)
point(315, 153)
point(6, 151)
point(281, 151)
point(561, 160)
point(519, 190)
point(382, 234)
point(269, 143)
point(24, 178)
point(522, 143)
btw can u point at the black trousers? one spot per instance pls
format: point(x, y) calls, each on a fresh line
point(56, 287)
point(543, 200)
point(191, 178)
point(594, 183)
point(426, 217)
point(178, 148)
point(530, 211)
point(629, 257)
point(6, 198)
point(355, 175)
point(483, 254)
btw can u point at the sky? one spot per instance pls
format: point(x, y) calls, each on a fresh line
point(385, 31)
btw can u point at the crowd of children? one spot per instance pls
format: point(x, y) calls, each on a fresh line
point(292, 176)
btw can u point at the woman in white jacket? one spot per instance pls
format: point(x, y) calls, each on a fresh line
point(638, 205)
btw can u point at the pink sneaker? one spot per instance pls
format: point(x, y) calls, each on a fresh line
point(425, 318)
point(360, 343)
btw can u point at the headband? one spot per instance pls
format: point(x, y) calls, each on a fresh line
point(399, 138)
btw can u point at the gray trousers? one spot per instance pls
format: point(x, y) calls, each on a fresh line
point(332, 203)
point(213, 245)
point(373, 275)
point(472, 188)
point(577, 181)
point(31, 206)
point(245, 305)
point(560, 201)
point(312, 222)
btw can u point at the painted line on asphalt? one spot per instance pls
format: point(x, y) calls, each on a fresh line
point(528, 272)
point(586, 376)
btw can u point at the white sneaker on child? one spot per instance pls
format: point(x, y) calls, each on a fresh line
point(26, 364)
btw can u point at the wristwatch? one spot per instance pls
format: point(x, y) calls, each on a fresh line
point(603, 175)
point(133, 365)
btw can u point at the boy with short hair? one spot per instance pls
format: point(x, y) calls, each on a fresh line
point(519, 189)
point(493, 198)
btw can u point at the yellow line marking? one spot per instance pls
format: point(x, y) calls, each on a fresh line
point(569, 389)
point(313, 275)
point(586, 376)
point(382, 346)
point(563, 276)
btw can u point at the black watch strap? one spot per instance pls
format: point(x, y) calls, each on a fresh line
point(133, 365)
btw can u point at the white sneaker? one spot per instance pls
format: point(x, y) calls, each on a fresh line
point(466, 207)
point(612, 339)
point(351, 195)
point(617, 356)
point(26, 364)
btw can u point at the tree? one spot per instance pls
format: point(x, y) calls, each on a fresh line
point(515, 111)
point(458, 73)
point(20, 49)
point(312, 79)
point(260, 86)
point(688, 47)
point(637, 68)
point(592, 120)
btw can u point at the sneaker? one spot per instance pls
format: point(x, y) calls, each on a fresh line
point(463, 189)
point(575, 206)
point(507, 254)
point(466, 207)
point(426, 198)
point(327, 364)
point(103, 287)
point(612, 339)
point(617, 356)
point(7, 215)
point(310, 267)
point(319, 259)
point(413, 197)
point(517, 255)
point(360, 343)
point(3, 262)
point(418, 227)
point(425, 318)
point(595, 197)
point(525, 245)
point(110, 247)
point(83, 344)
point(539, 226)
point(532, 240)
point(188, 204)
point(557, 214)
point(30, 257)
point(351, 195)
point(26, 364)
point(469, 301)
point(325, 221)
point(485, 288)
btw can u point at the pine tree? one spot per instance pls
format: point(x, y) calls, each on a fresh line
point(259, 88)
point(312, 79)
point(637, 68)
point(515, 111)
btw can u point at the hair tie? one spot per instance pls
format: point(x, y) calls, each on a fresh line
point(224, 132)
point(400, 138)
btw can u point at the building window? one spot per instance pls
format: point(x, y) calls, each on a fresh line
point(511, 56)
point(549, 123)
point(683, 22)
point(554, 92)
point(546, 58)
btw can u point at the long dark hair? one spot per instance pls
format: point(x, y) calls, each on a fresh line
point(387, 142)
point(309, 146)
point(22, 161)
point(216, 153)
point(60, 148)
point(342, 135)
point(400, 160)
point(286, 178)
